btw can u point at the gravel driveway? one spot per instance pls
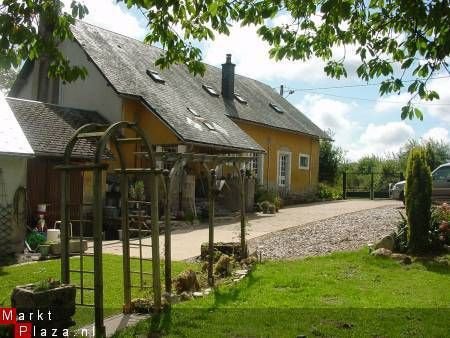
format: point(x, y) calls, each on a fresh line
point(344, 232)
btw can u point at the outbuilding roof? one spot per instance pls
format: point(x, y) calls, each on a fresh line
point(49, 127)
point(12, 138)
point(129, 67)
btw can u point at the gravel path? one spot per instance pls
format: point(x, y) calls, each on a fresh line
point(344, 232)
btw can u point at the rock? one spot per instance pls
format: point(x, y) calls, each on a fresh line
point(441, 261)
point(236, 280)
point(185, 296)
point(407, 260)
point(223, 266)
point(387, 242)
point(241, 272)
point(171, 298)
point(229, 249)
point(382, 252)
point(197, 294)
point(398, 256)
point(186, 281)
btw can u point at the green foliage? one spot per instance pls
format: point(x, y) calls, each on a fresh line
point(440, 229)
point(418, 200)
point(34, 239)
point(325, 192)
point(330, 159)
point(389, 35)
point(437, 152)
point(22, 36)
point(137, 191)
point(7, 77)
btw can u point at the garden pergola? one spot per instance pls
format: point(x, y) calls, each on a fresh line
point(104, 135)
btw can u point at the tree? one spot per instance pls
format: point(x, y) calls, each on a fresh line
point(418, 200)
point(7, 77)
point(437, 152)
point(330, 159)
point(411, 36)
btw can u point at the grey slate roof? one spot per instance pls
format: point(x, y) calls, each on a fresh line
point(124, 62)
point(48, 127)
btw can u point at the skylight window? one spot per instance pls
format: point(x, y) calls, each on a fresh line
point(276, 108)
point(155, 76)
point(240, 98)
point(211, 90)
point(209, 125)
point(193, 112)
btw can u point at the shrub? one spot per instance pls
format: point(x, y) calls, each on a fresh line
point(265, 206)
point(418, 200)
point(325, 192)
point(440, 229)
point(262, 195)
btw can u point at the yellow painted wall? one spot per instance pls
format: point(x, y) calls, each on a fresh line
point(274, 140)
point(157, 132)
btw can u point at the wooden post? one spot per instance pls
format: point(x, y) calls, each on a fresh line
point(155, 242)
point(98, 268)
point(211, 197)
point(167, 235)
point(125, 244)
point(243, 215)
point(344, 185)
point(65, 220)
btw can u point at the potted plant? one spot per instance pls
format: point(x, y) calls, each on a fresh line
point(55, 301)
point(44, 249)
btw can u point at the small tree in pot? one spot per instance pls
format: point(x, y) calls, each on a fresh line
point(418, 200)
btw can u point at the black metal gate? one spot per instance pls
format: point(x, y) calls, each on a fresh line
point(369, 185)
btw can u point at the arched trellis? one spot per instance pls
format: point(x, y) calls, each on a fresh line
point(210, 163)
point(112, 135)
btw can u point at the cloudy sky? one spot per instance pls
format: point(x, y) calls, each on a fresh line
point(363, 123)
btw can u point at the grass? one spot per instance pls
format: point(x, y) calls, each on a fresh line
point(10, 276)
point(348, 294)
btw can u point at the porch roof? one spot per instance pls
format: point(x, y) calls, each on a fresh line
point(48, 127)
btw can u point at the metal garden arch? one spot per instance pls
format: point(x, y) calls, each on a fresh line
point(112, 135)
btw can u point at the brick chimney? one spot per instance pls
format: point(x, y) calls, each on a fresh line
point(228, 78)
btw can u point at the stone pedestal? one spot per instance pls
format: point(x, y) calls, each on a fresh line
point(47, 309)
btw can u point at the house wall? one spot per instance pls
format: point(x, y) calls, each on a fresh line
point(273, 141)
point(92, 93)
point(14, 170)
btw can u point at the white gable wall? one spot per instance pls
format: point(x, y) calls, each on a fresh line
point(93, 93)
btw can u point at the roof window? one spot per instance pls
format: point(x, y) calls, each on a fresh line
point(155, 76)
point(209, 125)
point(193, 112)
point(240, 98)
point(211, 90)
point(276, 108)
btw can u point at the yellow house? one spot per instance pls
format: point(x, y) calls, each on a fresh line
point(221, 112)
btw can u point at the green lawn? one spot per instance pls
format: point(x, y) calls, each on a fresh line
point(341, 295)
point(10, 276)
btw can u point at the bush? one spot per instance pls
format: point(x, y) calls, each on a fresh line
point(440, 229)
point(325, 192)
point(418, 200)
point(262, 196)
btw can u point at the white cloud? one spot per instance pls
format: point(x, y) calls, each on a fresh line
point(381, 139)
point(440, 108)
point(251, 55)
point(437, 134)
point(391, 103)
point(108, 14)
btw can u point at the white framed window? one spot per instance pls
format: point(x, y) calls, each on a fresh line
point(284, 169)
point(303, 161)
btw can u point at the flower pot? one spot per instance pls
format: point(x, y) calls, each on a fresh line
point(58, 300)
point(44, 249)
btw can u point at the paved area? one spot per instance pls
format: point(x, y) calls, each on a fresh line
point(113, 324)
point(186, 242)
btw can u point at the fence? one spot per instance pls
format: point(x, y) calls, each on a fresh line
point(369, 185)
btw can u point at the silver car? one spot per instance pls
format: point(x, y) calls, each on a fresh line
point(441, 185)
